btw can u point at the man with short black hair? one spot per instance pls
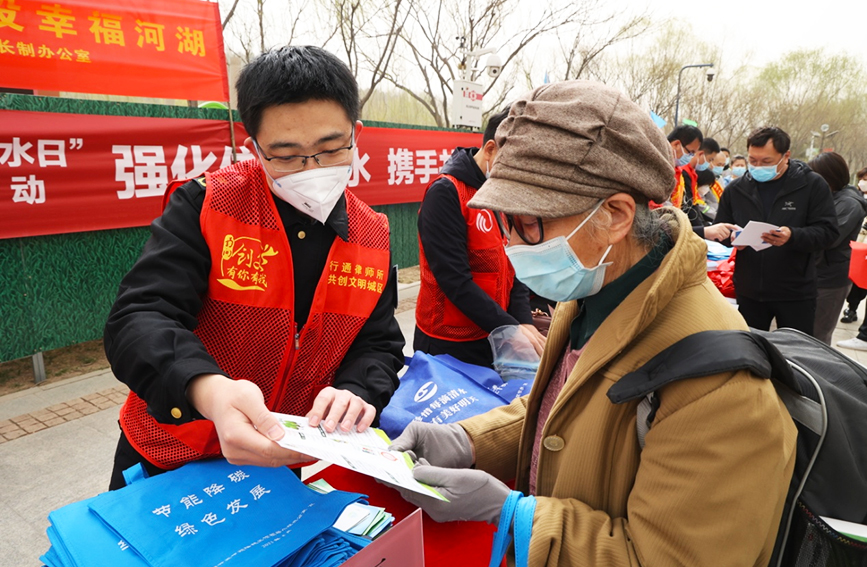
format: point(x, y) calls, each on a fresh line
point(686, 143)
point(265, 286)
point(779, 282)
point(468, 287)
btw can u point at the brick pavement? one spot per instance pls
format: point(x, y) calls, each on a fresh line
point(57, 414)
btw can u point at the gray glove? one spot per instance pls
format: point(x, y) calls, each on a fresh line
point(440, 445)
point(473, 494)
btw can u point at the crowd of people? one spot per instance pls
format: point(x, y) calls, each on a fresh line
point(565, 197)
point(802, 280)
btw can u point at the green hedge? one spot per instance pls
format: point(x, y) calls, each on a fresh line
point(57, 290)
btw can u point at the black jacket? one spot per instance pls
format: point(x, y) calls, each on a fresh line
point(833, 263)
point(442, 231)
point(805, 205)
point(149, 337)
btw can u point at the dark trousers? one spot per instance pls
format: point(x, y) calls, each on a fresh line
point(855, 297)
point(792, 314)
point(472, 352)
point(125, 456)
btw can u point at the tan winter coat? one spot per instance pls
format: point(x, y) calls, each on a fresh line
point(709, 486)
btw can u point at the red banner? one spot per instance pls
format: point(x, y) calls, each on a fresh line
point(158, 48)
point(63, 173)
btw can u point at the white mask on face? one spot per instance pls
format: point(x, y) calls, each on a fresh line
point(315, 191)
point(863, 185)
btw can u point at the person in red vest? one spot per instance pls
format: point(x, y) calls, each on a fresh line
point(468, 287)
point(265, 286)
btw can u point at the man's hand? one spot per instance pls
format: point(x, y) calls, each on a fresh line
point(246, 428)
point(537, 339)
point(719, 232)
point(445, 445)
point(340, 407)
point(777, 237)
point(473, 495)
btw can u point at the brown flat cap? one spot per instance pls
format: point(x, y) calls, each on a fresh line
point(566, 145)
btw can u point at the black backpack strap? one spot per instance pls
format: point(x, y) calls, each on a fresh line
point(704, 354)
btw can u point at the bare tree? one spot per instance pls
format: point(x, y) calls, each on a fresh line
point(228, 17)
point(369, 32)
point(247, 33)
point(430, 57)
point(587, 44)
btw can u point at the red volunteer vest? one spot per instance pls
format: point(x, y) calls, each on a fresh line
point(438, 317)
point(247, 322)
point(680, 187)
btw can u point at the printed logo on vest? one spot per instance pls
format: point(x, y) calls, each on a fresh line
point(484, 221)
point(349, 274)
point(789, 206)
point(243, 263)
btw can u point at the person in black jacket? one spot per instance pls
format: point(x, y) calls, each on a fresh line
point(779, 282)
point(202, 361)
point(857, 294)
point(444, 225)
point(833, 263)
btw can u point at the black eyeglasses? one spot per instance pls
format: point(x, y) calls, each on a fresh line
point(328, 158)
point(529, 228)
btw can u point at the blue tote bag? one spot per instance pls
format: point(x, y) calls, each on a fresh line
point(442, 389)
point(213, 513)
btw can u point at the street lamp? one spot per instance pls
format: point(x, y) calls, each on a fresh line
point(825, 135)
point(710, 75)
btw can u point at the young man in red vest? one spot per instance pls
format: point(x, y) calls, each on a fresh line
point(266, 286)
point(468, 287)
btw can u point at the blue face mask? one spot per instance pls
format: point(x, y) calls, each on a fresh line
point(552, 270)
point(685, 159)
point(765, 173)
point(702, 166)
point(718, 170)
point(738, 170)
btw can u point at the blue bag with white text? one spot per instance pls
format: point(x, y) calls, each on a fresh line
point(442, 389)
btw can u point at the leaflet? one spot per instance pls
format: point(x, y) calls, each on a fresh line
point(751, 235)
point(366, 452)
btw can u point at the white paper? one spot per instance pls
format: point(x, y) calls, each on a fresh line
point(751, 235)
point(366, 452)
point(352, 516)
point(851, 529)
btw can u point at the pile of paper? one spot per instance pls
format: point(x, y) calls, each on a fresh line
point(358, 518)
point(206, 513)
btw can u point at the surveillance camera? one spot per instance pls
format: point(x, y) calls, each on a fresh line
point(710, 75)
point(494, 65)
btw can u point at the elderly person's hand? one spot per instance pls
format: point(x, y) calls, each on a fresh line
point(440, 445)
point(472, 494)
point(536, 338)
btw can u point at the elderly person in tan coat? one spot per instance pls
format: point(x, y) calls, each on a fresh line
point(577, 166)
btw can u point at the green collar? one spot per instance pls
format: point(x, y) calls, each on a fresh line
point(596, 308)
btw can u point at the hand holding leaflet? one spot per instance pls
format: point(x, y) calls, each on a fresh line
point(751, 235)
point(366, 452)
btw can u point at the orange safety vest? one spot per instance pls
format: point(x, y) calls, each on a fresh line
point(491, 270)
point(247, 319)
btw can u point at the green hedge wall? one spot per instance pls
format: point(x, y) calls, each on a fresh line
point(57, 290)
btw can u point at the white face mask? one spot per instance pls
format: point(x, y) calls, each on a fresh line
point(863, 185)
point(315, 191)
